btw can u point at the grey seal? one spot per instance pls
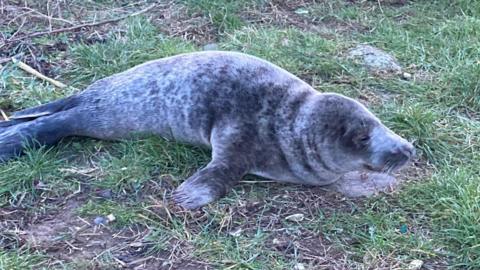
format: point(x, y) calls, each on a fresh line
point(255, 116)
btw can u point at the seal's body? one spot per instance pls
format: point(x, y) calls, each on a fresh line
point(256, 117)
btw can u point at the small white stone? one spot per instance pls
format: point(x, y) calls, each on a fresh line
point(236, 233)
point(406, 75)
point(299, 266)
point(415, 265)
point(110, 218)
point(301, 11)
point(295, 217)
point(136, 244)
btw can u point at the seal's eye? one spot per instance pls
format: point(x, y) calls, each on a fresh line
point(364, 138)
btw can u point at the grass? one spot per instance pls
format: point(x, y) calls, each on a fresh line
point(134, 43)
point(222, 14)
point(14, 260)
point(302, 53)
point(439, 136)
point(455, 213)
point(449, 49)
point(18, 84)
point(127, 165)
point(435, 216)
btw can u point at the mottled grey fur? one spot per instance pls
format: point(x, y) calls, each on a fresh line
point(256, 117)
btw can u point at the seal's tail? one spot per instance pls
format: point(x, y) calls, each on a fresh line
point(42, 125)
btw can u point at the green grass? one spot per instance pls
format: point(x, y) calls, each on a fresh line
point(21, 181)
point(124, 214)
point(440, 137)
point(20, 260)
point(452, 200)
point(135, 42)
point(449, 50)
point(223, 14)
point(129, 164)
point(239, 252)
point(304, 54)
point(20, 91)
point(434, 218)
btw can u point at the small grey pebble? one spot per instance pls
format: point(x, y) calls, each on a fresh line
point(210, 47)
point(100, 220)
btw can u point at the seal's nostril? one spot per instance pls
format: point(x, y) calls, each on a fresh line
point(406, 150)
point(403, 152)
point(412, 151)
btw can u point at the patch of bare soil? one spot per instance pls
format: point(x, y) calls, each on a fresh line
point(308, 249)
point(65, 237)
point(419, 169)
point(271, 212)
point(383, 2)
point(277, 213)
point(177, 21)
point(285, 13)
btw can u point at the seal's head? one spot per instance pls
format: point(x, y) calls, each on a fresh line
point(357, 140)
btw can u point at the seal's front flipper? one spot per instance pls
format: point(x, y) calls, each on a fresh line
point(359, 184)
point(207, 185)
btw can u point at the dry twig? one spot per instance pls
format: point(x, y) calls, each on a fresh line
point(41, 15)
point(76, 27)
point(32, 71)
point(4, 115)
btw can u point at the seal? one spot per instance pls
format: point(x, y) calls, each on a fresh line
point(256, 117)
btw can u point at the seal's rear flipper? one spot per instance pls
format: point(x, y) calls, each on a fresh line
point(6, 124)
point(42, 125)
point(47, 109)
point(33, 131)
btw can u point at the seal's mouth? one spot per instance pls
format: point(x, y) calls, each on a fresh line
point(372, 168)
point(388, 168)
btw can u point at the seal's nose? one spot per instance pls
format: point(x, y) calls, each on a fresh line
point(403, 152)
